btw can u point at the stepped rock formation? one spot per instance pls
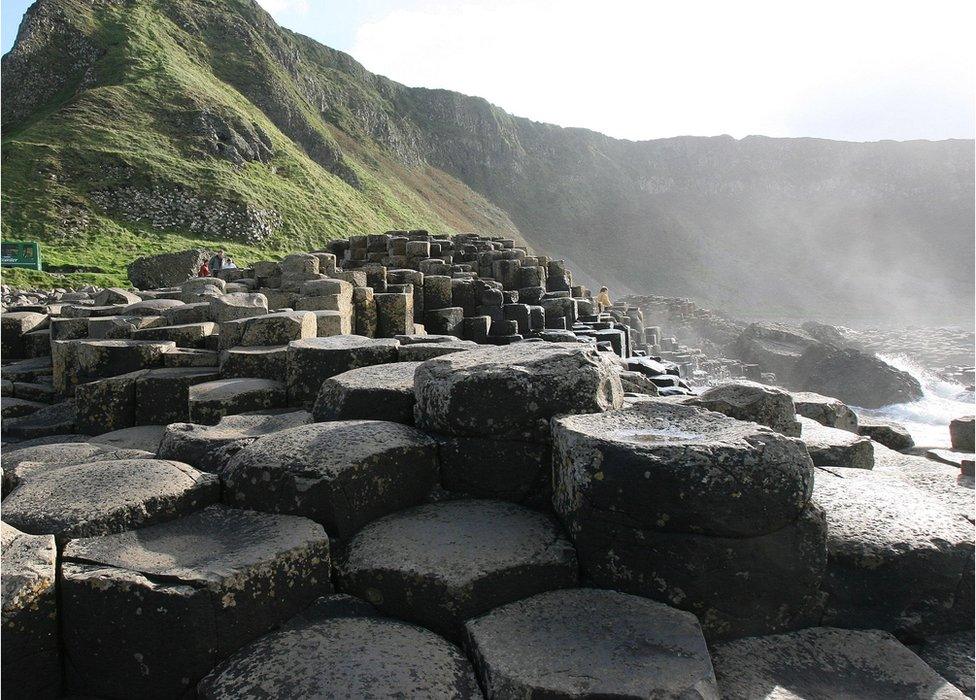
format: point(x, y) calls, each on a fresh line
point(490, 512)
point(249, 134)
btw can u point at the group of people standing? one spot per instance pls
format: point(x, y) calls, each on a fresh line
point(220, 261)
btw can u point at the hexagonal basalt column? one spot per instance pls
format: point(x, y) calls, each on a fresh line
point(99, 498)
point(379, 392)
point(148, 614)
point(312, 361)
point(31, 666)
point(342, 474)
point(443, 563)
point(590, 643)
point(211, 401)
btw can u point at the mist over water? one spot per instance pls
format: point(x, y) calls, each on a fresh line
point(928, 418)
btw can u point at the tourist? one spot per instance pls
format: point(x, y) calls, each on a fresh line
point(217, 261)
point(603, 299)
point(204, 270)
point(229, 264)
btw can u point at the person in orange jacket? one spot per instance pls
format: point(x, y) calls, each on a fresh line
point(603, 299)
point(204, 270)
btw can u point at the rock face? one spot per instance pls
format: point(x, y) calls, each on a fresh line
point(892, 435)
point(714, 495)
point(825, 410)
point(830, 447)
point(590, 643)
point(31, 665)
point(165, 269)
point(962, 433)
point(899, 559)
point(380, 392)
point(750, 401)
point(512, 391)
point(352, 657)
point(98, 498)
point(952, 657)
point(443, 563)
point(826, 663)
point(854, 377)
point(150, 613)
point(773, 346)
point(342, 474)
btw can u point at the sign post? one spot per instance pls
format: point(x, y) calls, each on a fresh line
point(20, 254)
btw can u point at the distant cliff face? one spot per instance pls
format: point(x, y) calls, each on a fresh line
point(212, 100)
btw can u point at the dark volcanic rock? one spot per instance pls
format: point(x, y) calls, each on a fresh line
point(509, 470)
point(442, 563)
point(892, 435)
point(962, 432)
point(380, 392)
point(149, 613)
point(749, 401)
point(31, 664)
point(345, 657)
point(952, 657)
point(590, 643)
point(342, 474)
point(826, 663)
point(512, 391)
point(854, 377)
point(830, 447)
point(165, 269)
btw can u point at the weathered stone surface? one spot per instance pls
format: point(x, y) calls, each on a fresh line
point(838, 448)
point(380, 392)
point(211, 401)
point(116, 295)
point(887, 433)
point(190, 357)
point(418, 352)
point(823, 662)
point(259, 362)
point(854, 377)
point(31, 665)
point(590, 643)
point(270, 329)
point(952, 657)
point(13, 326)
point(208, 447)
point(50, 420)
point(150, 307)
point(98, 498)
point(165, 269)
point(329, 323)
point(512, 391)
point(185, 314)
point(149, 613)
point(11, 407)
point(443, 563)
point(107, 404)
point(188, 335)
point(238, 305)
point(394, 314)
point(342, 474)
point(826, 410)
point(898, 557)
point(351, 657)
point(750, 401)
point(140, 437)
point(162, 395)
point(962, 433)
point(87, 360)
point(507, 470)
point(19, 464)
point(312, 361)
point(673, 468)
point(774, 346)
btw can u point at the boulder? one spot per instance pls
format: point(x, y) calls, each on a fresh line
point(673, 468)
point(211, 401)
point(380, 392)
point(775, 347)
point(238, 305)
point(184, 314)
point(31, 663)
point(590, 643)
point(962, 433)
point(443, 563)
point(162, 395)
point(312, 361)
point(99, 498)
point(892, 435)
point(899, 558)
point(165, 269)
point(837, 448)
point(823, 662)
point(826, 410)
point(269, 329)
point(148, 614)
point(342, 474)
point(750, 401)
point(347, 657)
point(208, 447)
point(951, 656)
point(14, 325)
point(80, 361)
point(116, 295)
point(854, 377)
point(512, 391)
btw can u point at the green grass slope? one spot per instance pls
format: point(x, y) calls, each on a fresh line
point(150, 106)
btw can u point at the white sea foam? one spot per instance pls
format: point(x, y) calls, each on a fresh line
point(928, 418)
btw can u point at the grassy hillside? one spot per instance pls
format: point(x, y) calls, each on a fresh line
point(150, 115)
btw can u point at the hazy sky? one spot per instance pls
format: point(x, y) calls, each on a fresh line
point(851, 69)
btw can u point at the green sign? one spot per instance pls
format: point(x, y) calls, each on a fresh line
point(20, 254)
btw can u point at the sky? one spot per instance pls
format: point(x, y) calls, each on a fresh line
point(856, 70)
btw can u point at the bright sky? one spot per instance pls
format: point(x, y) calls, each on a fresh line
point(844, 69)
